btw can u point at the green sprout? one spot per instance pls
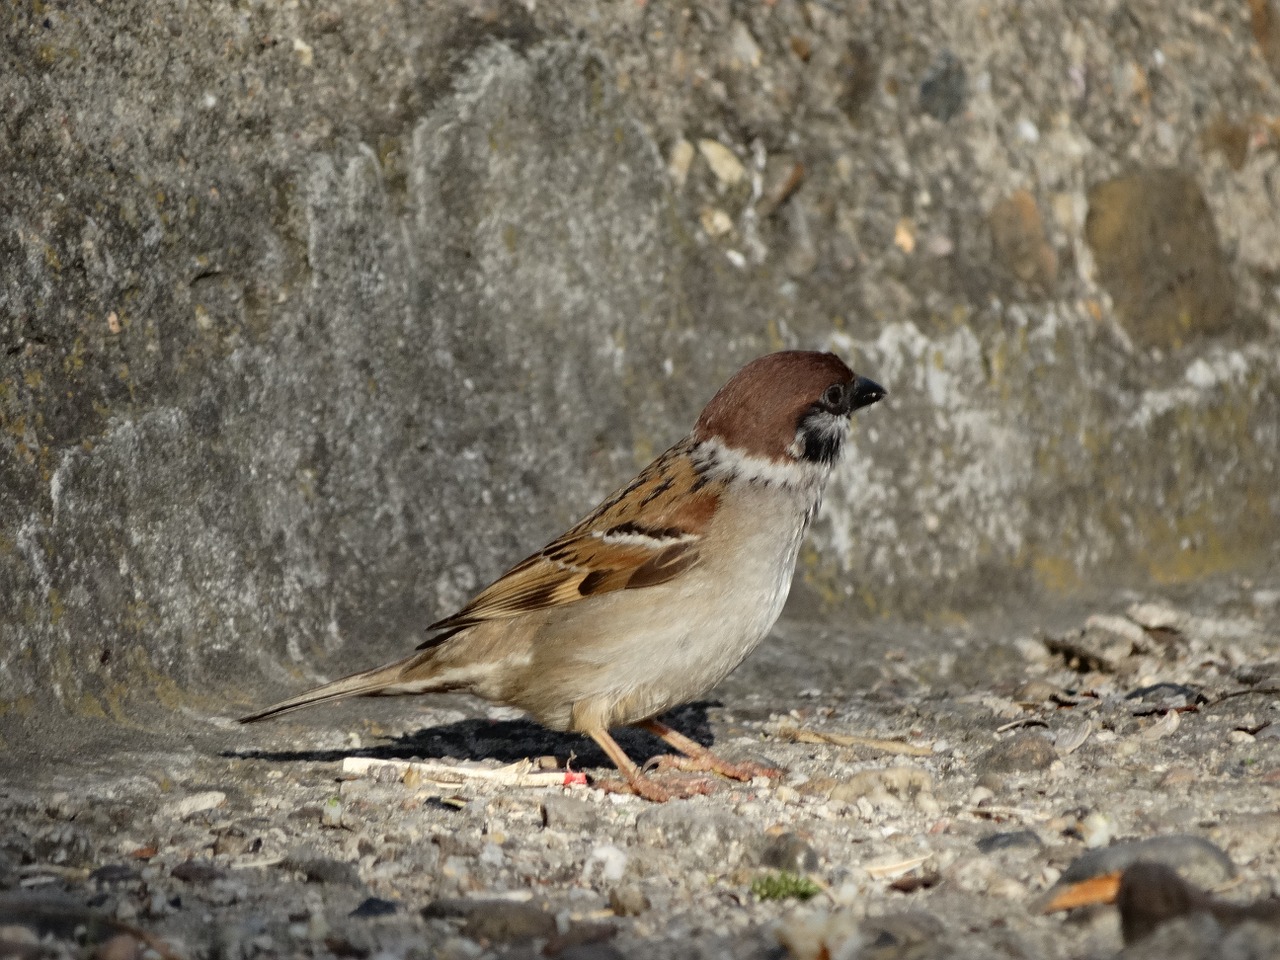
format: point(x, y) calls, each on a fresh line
point(784, 886)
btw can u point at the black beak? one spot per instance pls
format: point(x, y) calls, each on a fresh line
point(864, 393)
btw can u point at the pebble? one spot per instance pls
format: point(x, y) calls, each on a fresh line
point(322, 870)
point(679, 162)
point(745, 52)
point(901, 936)
point(723, 162)
point(591, 951)
point(1069, 740)
point(1124, 627)
point(1178, 776)
point(1156, 616)
point(820, 935)
point(122, 946)
point(114, 873)
point(1009, 839)
point(374, 907)
point(1097, 829)
point(789, 852)
point(628, 900)
point(883, 787)
point(196, 871)
point(607, 862)
point(1021, 753)
point(331, 813)
point(570, 814)
point(715, 222)
point(980, 874)
point(197, 803)
point(708, 835)
point(1018, 235)
point(942, 91)
point(502, 921)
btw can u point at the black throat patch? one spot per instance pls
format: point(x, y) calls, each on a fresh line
point(821, 437)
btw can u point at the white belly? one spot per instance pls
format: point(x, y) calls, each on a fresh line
point(673, 642)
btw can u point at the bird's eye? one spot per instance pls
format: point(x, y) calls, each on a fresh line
point(833, 396)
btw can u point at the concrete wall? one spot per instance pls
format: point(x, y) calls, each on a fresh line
point(316, 317)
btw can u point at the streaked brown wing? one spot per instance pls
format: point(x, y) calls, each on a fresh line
point(643, 535)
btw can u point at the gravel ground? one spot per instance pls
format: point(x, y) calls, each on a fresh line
point(1014, 748)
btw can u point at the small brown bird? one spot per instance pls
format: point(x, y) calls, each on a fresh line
point(664, 588)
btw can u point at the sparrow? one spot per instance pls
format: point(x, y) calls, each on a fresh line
point(660, 591)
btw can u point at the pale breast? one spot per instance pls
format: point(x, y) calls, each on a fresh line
point(631, 654)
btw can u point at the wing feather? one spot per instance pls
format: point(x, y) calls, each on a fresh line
point(644, 534)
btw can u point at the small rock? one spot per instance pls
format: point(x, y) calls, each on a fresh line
point(122, 946)
point(715, 221)
point(900, 936)
point(628, 900)
point(575, 941)
point(706, 835)
point(1124, 627)
point(374, 907)
point(1068, 741)
point(459, 948)
point(820, 935)
point(744, 52)
point(196, 871)
point(17, 935)
point(591, 951)
point(605, 861)
point(197, 803)
point(331, 813)
point(1017, 231)
point(323, 870)
point(981, 875)
point(569, 814)
point(62, 807)
point(1163, 727)
point(114, 873)
point(787, 851)
point(1036, 692)
point(1021, 753)
point(501, 921)
point(1178, 776)
point(1007, 839)
point(1097, 829)
point(905, 783)
point(680, 160)
point(1156, 616)
point(856, 76)
point(942, 91)
point(723, 162)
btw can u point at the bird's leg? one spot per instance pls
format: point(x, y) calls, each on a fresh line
point(698, 757)
point(634, 780)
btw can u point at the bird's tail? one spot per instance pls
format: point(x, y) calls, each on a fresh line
point(402, 676)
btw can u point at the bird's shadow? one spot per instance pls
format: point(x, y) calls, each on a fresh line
point(505, 741)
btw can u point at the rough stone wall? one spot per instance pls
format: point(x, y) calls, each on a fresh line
point(316, 316)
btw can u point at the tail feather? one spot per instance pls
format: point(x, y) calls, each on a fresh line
point(368, 683)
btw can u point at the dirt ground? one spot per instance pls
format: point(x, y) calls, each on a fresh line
point(938, 782)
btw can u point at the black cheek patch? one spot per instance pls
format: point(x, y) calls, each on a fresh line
point(822, 444)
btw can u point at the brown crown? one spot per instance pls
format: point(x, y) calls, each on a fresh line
point(759, 409)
